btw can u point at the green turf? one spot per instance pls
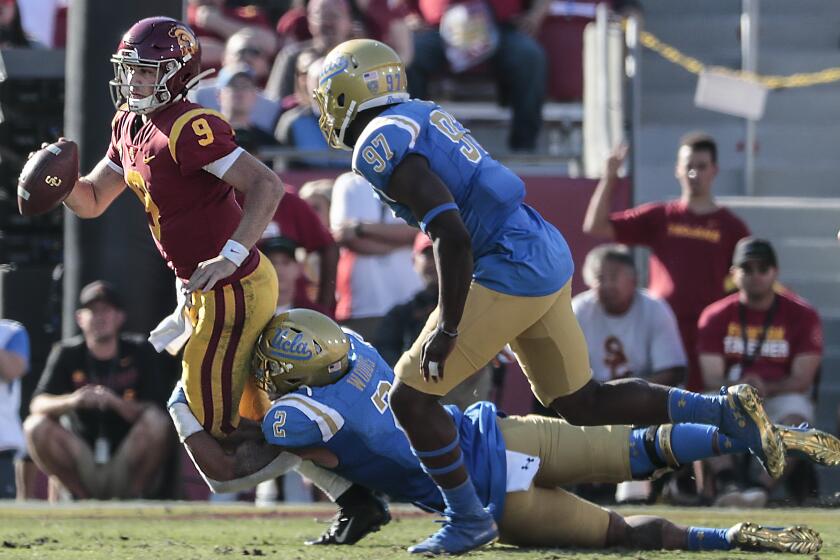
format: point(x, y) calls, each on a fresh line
point(113, 531)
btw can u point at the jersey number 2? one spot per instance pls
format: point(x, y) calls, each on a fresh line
point(280, 421)
point(379, 398)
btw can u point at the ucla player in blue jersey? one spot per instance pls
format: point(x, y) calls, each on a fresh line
point(504, 277)
point(330, 405)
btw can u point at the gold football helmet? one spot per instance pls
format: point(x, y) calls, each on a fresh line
point(300, 347)
point(357, 75)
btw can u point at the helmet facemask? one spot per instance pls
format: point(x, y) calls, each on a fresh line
point(329, 109)
point(125, 64)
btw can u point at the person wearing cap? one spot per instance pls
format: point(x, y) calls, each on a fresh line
point(96, 421)
point(764, 336)
point(238, 97)
point(691, 239)
point(281, 251)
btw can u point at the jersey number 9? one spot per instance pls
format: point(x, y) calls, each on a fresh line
point(372, 156)
point(456, 133)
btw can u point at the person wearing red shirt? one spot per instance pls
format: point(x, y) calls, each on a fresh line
point(691, 239)
point(214, 22)
point(296, 220)
point(771, 340)
point(783, 337)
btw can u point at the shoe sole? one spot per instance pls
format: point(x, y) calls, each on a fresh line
point(771, 442)
point(798, 539)
point(332, 542)
point(820, 447)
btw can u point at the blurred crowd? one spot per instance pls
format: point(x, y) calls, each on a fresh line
point(713, 312)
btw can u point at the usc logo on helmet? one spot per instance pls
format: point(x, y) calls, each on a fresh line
point(186, 40)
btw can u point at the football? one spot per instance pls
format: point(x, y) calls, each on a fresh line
point(48, 177)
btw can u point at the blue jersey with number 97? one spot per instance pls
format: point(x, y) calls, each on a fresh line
point(352, 418)
point(515, 250)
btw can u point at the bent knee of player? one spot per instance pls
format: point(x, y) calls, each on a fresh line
point(579, 408)
point(409, 403)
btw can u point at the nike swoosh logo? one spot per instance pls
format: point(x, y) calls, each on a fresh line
point(148, 159)
point(340, 537)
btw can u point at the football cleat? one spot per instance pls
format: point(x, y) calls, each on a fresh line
point(458, 535)
point(352, 524)
point(797, 539)
point(744, 417)
point(820, 447)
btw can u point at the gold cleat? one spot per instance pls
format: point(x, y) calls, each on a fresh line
point(798, 539)
point(820, 447)
point(772, 450)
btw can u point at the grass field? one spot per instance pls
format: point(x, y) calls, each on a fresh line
point(182, 531)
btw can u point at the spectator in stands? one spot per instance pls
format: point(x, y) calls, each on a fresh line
point(375, 271)
point(298, 126)
point(14, 363)
point(318, 195)
point(771, 340)
point(462, 35)
point(237, 100)
point(216, 21)
point(329, 23)
point(97, 422)
point(294, 219)
point(12, 33)
point(691, 239)
point(281, 251)
point(629, 332)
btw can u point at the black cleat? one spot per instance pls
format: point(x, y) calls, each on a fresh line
point(354, 522)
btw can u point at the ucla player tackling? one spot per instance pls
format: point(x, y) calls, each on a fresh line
point(504, 277)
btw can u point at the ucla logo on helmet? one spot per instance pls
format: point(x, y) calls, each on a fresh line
point(290, 345)
point(333, 68)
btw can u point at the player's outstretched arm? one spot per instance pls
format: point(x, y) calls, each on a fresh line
point(94, 192)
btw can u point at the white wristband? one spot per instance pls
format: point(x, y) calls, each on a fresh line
point(184, 420)
point(235, 252)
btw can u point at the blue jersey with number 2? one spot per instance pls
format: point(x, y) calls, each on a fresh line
point(516, 251)
point(352, 418)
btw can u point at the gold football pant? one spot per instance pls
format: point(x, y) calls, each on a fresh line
point(542, 331)
point(546, 515)
point(216, 373)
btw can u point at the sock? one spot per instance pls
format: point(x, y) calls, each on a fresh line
point(463, 500)
point(689, 442)
point(694, 408)
point(703, 538)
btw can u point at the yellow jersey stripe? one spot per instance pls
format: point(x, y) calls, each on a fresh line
point(328, 420)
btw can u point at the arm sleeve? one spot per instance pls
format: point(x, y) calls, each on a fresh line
point(313, 235)
point(55, 380)
point(640, 225)
point(386, 142)
point(809, 338)
point(114, 149)
point(666, 347)
point(711, 331)
point(289, 427)
point(353, 200)
point(198, 138)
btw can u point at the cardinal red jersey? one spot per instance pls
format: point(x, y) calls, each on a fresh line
point(191, 212)
point(690, 253)
point(794, 328)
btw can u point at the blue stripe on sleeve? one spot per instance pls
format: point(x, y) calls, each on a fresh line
point(435, 212)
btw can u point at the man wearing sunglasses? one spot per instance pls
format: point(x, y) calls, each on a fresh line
point(765, 336)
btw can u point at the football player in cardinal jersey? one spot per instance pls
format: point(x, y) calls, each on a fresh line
point(182, 162)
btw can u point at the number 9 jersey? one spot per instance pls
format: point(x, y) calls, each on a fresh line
point(506, 233)
point(173, 163)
